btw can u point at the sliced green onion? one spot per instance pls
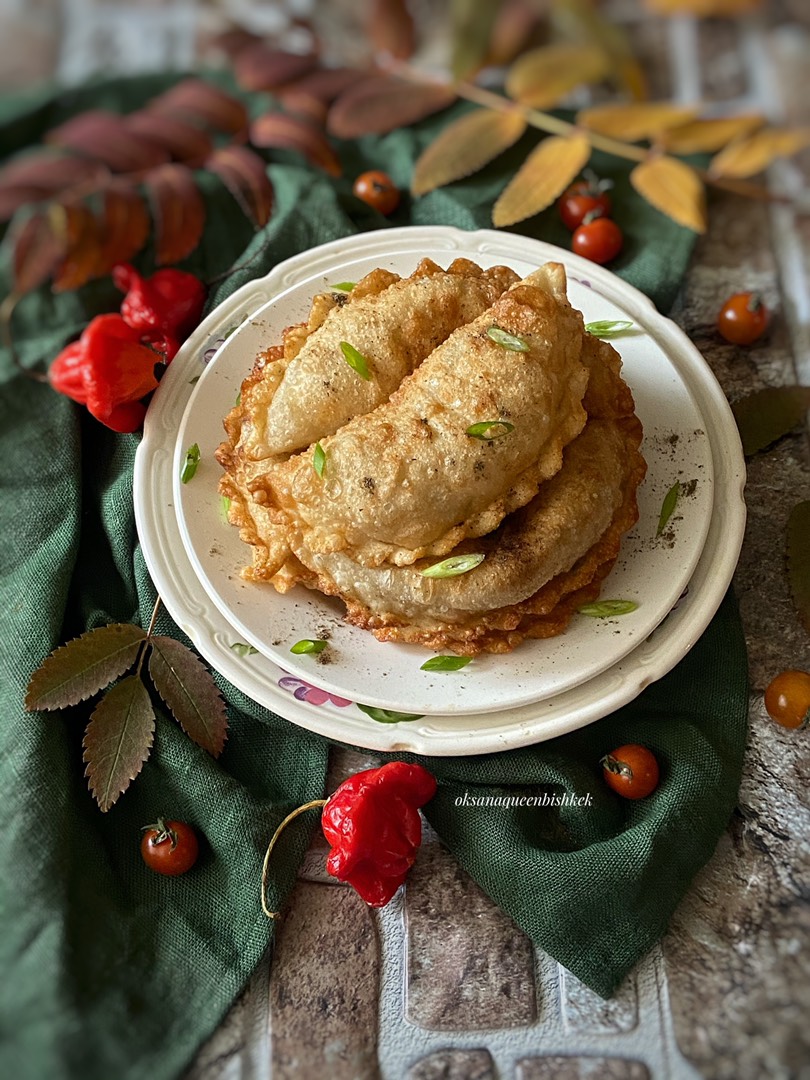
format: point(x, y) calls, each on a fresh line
point(192, 382)
point(238, 400)
point(604, 609)
point(387, 716)
point(668, 507)
point(445, 663)
point(190, 464)
point(356, 361)
point(309, 645)
point(608, 328)
point(343, 286)
point(224, 506)
point(319, 459)
point(241, 649)
point(490, 429)
point(456, 564)
point(507, 340)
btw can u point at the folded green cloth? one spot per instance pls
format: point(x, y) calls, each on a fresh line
point(109, 970)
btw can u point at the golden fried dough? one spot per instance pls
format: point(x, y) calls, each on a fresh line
point(543, 562)
point(407, 480)
point(392, 323)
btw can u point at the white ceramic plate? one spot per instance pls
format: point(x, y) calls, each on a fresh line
point(303, 695)
point(651, 571)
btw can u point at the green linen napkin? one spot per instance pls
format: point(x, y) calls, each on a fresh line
point(112, 971)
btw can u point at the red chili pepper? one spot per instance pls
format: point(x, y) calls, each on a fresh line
point(170, 302)
point(372, 822)
point(109, 371)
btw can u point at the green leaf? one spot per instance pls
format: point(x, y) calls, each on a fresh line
point(668, 507)
point(506, 340)
point(343, 286)
point(767, 415)
point(445, 663)
point(608, 328)
point(356, 361)
point(387, 716)
point(188, 689)
point(241, 649)
point(118, 740)
point(308, 645)
point(190, 464)
point(456, 564)
point(319, 459)
point(605, 609)
point(798, 560)
point(490, 429)
point(84, 666)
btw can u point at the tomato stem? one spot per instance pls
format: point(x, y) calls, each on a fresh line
point(266, 864)
point(619, 768)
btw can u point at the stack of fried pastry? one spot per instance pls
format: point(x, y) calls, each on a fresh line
point(481, 420)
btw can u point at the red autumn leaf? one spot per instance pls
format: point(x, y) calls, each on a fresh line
point(118, 740)
point(188, 688)
point(390, 27)
point(325, 84)
point(380, 104)
point(202, 104)
point(178, 211)
point(244, 174)
point(280, 132)
point(182, 140)
point(80, 228)
point(40, 175)
point(38, 250)
point(105, 136)
point(303, 105)
point(83, 666)
point(231, 42)
point(261, 67)
point(124, 225)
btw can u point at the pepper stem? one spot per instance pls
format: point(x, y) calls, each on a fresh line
point(266, 864)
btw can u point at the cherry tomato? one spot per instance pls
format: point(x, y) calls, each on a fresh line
point(632, 771)
point(743, 319)
point(582, 198)
point(599, 240)
point(378, 190)
point(787, 699)
point(169, 847)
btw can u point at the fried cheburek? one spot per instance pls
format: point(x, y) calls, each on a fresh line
point(551, 529)
point(304, 390)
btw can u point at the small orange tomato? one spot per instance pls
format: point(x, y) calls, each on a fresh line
point(631, 771)
point(598, 239)
point(169, 847)
point(378, 190)
point(743, 319)
point(787, 699)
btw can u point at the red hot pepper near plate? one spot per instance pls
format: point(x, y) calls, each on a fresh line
point(372, 822)
point(165, 307)
point(109, 370)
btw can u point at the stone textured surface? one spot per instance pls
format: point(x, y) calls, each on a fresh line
point(584, 1012)
point(580, 1068)
point(454, 1065)
point(468, 965)
point(324, 987)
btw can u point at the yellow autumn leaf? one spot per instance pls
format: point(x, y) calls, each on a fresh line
point(640, 120)
point(542, 77)
point(704, 136)
point(746, 157)
point(545, 173)
point(674, 188)
point(466, 146)
point(580, 20)
point(704, 8)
